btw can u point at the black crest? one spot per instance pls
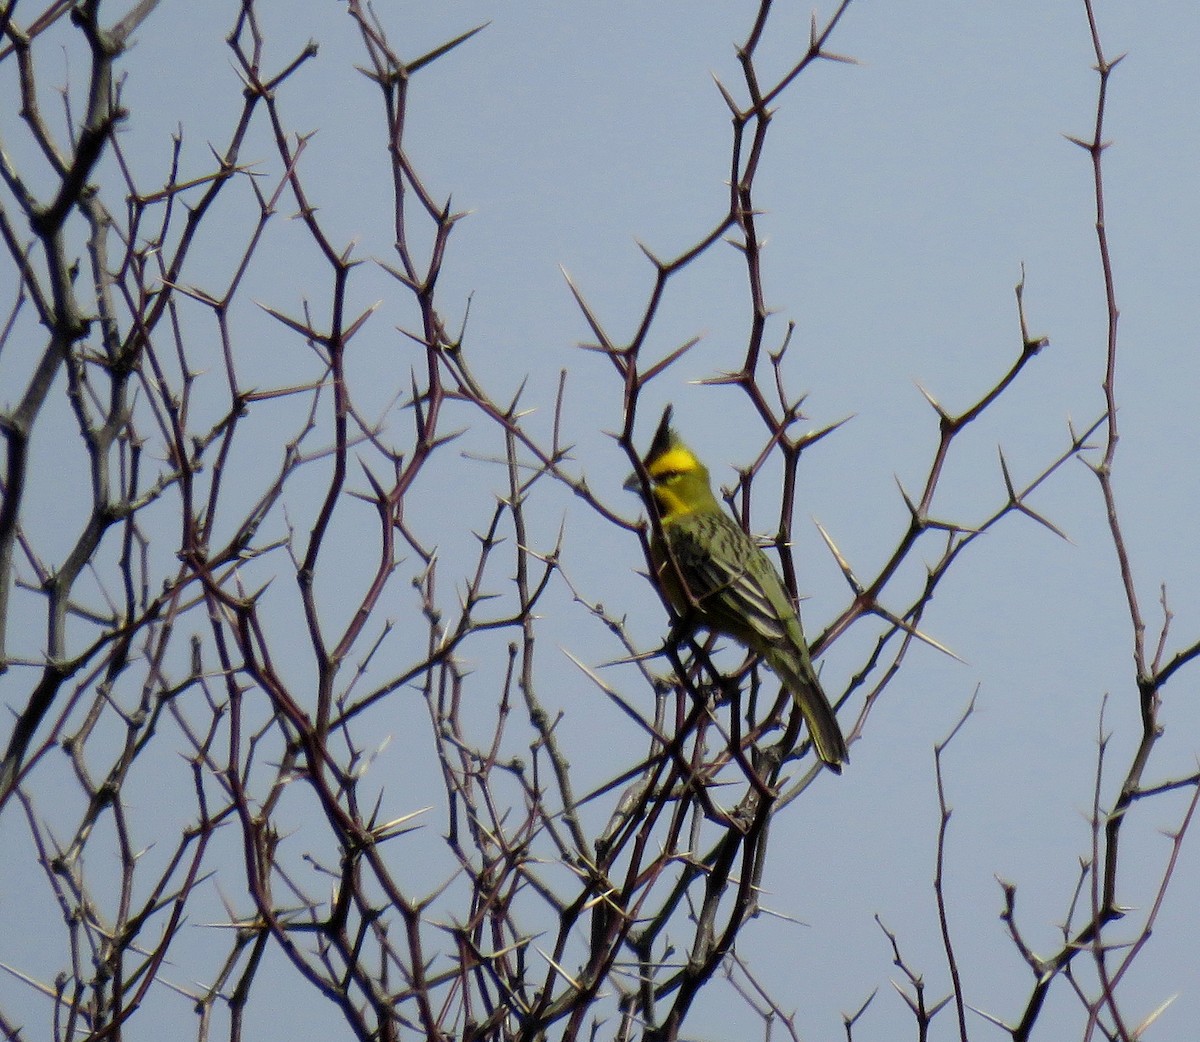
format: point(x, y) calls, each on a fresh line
point(664, 438)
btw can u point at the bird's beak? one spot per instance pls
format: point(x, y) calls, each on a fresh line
point(633, 483)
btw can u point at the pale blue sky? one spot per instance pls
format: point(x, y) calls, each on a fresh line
point(901, 197)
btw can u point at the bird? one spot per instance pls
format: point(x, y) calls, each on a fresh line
point(714, 573)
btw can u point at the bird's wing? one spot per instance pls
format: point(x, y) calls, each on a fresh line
point(747, 593)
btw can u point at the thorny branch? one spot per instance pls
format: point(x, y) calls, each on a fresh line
point(224, 511)
point(1087, 927)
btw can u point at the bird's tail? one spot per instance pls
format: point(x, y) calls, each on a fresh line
point(802, 683)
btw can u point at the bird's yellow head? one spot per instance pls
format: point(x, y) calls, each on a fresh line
point(679, 482)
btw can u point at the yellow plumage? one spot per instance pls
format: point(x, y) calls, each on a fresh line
point(711, 569)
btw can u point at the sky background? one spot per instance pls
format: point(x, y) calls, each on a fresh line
point(901, 197)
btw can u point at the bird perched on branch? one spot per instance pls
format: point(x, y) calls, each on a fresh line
point(713, 572)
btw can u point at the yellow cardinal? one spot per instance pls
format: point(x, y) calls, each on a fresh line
point(731, 585)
